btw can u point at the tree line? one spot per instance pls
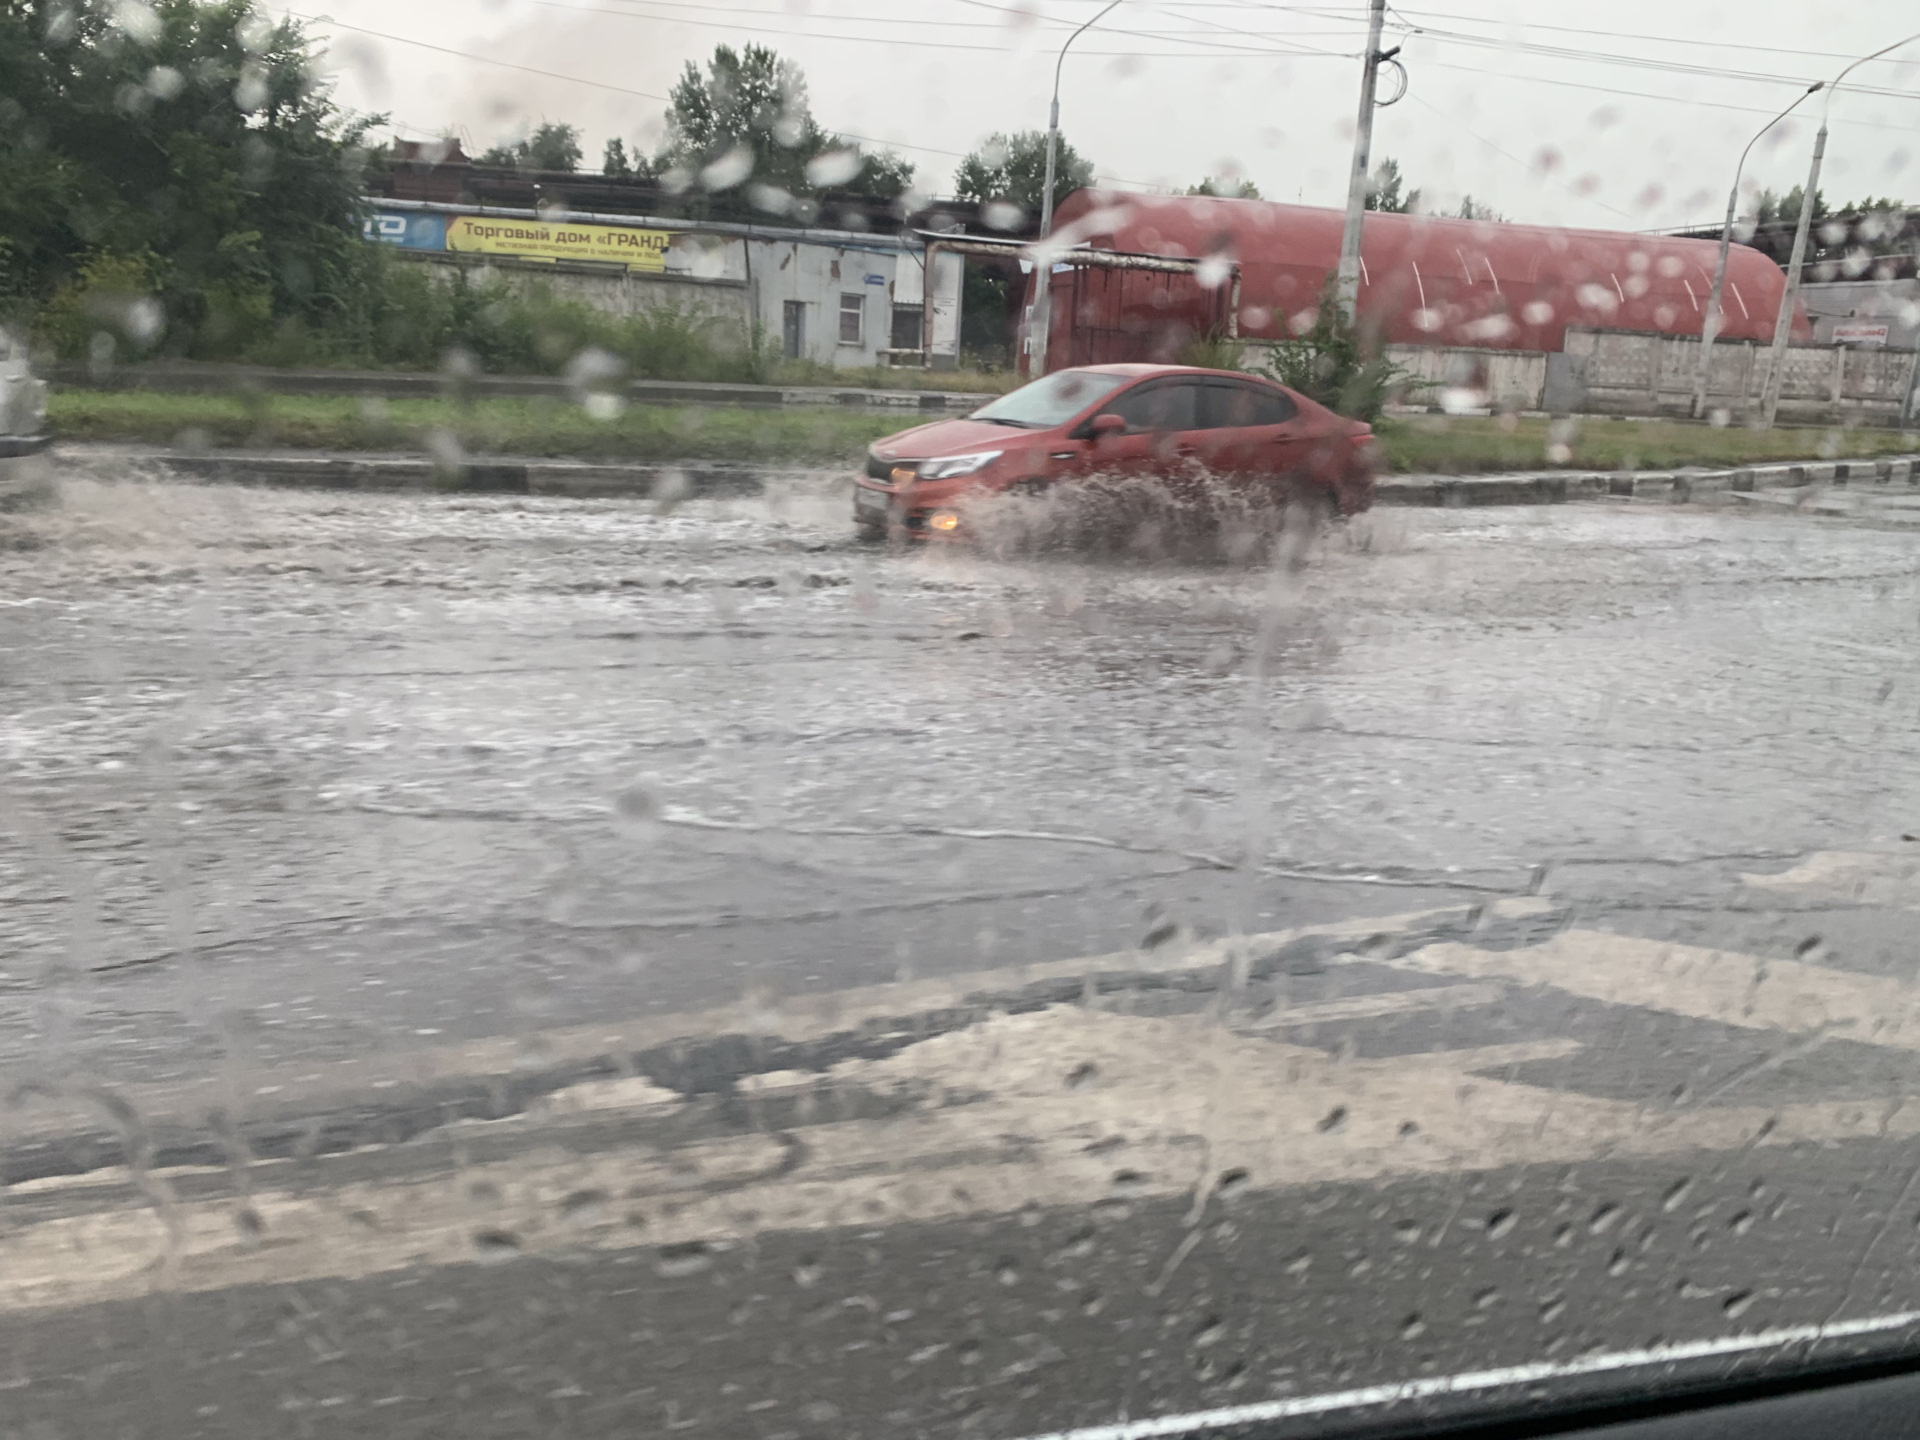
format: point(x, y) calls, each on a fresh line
point(745, 124)
point(176, 177)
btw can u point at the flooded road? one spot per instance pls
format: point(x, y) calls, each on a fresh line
point(485, 894)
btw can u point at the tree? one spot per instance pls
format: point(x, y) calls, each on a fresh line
point(1013, 168)
point(1227, 189)
point(1383, 189)
point(1772, 209)
point(1471, 209)
point(885, 176)
point(552, 146)
point(749, 117)
point(613, 160)
point(177, 175)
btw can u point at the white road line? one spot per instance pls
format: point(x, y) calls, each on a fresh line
point(1374, 1007)
point(797, 1017)
point(1043, 1107)
point(1473, 1381)
point(1789, 996)
point(1871, 877)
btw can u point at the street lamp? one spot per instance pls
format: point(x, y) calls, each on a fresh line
point(1710, 325)
point(1784, 323)
point(1037, 324)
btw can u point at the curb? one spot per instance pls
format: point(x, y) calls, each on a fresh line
point(1675, 486)
point(691, 478)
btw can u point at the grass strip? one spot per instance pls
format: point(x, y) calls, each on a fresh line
point(554, 428)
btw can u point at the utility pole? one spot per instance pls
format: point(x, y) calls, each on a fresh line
point(1783, 324)
point(1040, 317)
point(1710, 324)
point(1347, 284)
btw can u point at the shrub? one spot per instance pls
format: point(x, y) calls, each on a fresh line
point(109, 306)
point(1213, 351)
point(1336, 364)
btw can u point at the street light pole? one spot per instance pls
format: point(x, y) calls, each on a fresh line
point(1783, 324)
point(1042, 313)
point(1710, 323)
point(1347, 281)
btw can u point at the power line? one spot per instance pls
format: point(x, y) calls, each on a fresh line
point(626, 89)
point(1499, 150)
point(1636, 94)
point(1173, 35)
point(1236, 30)
point(1675, 67)
point(483, 59)
point(1214, 48)
point(1717, 42)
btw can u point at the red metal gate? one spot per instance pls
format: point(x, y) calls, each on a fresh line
point(1108, 316)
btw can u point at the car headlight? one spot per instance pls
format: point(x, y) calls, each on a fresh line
point(957, 465)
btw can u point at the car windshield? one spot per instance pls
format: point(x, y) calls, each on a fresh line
point(1051, 401)
point(572, 863)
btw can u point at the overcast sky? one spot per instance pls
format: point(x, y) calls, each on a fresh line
point(1626, 115)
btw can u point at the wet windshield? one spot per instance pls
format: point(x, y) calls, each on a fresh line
point(1051, 401)
point(565, 871)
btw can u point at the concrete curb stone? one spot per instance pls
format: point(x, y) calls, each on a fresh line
point(692, 478)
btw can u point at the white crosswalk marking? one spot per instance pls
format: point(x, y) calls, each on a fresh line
point(1720, 985)
point(1051, 1107)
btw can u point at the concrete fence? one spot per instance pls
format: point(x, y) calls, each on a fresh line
point(1615, 372)
point(1610, 372)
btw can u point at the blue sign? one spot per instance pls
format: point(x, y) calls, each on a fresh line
point(876, 279)
point(409, 229)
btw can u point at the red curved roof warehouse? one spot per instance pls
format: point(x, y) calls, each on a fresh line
point(1433, 281)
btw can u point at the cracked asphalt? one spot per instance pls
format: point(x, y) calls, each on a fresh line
point(343, 830)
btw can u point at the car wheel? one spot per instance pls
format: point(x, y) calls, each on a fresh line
point(1355, 494)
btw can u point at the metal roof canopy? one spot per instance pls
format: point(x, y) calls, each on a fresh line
point(939, 240)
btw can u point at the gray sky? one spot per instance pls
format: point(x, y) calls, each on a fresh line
point(1627, 115)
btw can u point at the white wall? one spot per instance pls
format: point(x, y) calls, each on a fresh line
point(739, 279)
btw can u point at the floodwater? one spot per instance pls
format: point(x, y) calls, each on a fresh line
point(1459, 850)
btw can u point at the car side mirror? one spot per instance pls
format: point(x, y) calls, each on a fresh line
point(1105, 427)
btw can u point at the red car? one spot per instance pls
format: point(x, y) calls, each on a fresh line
point(1146, 420)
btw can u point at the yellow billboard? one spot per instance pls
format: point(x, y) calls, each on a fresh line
point(559, 240)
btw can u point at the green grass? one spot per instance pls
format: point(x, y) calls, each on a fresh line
point(831, 435)
point(1444, 444)
point(544, 427)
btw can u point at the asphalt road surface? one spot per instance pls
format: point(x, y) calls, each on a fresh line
point(498, 967)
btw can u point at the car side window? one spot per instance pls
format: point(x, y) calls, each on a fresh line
point(1169, 405)
point(1240, 406)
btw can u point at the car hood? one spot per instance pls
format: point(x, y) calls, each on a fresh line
point(951, 437)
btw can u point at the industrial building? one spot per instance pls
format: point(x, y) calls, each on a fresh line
point(1424, 280)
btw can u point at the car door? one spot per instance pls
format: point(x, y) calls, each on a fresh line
point(1163, 427)
point(1256, 433)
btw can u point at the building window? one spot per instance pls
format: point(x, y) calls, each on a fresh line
point(853, 314)
point(906, 327)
